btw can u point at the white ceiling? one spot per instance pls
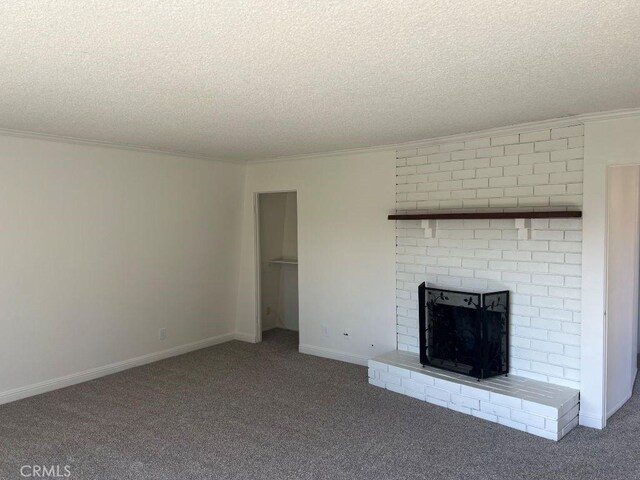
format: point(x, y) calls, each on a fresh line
point(245, 79)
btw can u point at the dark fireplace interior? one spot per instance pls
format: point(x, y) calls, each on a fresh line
point(464, 332)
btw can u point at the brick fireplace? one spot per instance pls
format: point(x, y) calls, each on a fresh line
point(539, 262)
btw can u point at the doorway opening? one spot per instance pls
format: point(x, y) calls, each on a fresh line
point(277, 252)
point(623, 284)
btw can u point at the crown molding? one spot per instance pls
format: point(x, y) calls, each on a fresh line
point(97, 143)
point(505, 130)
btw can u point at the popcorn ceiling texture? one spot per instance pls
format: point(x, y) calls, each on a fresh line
point(539, 170)
point(248, 79)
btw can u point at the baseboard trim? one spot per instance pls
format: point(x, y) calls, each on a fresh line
point(591, 421)
point(333, 354)
point(244, 337)
point(93, 373)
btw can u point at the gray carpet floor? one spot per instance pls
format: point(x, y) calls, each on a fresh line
point(265, 411)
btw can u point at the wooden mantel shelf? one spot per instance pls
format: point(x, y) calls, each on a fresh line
point(484, 215)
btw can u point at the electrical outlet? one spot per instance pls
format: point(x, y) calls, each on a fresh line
point(162, 334)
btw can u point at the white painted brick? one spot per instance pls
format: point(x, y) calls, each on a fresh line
point(493, 409)
point(446, 385)
point(540, 409)
point(533, 158)
point(547, 146)
point(477, 163)
point(390, 379)
point(503, 182)
point(565, 338)
point(489, 172)
point(543, 433)
point(428, 168)
point(413, 386)
point(437, 401)
point(528, 418)
point(518, 149)
point(398, 371)
point(517, 255)
point(439, 157)
point(506, 139)
point(569, 154)
point(474, 393)
point(564, 132)
point(484, 416)
point(417, 395)
point(382, 367)
point(489, 152)
point(463, 174)
point(421, 378)
point(539, 179)
point(477, 143)
point(490, 192)
point(535, 136)
point(568, 177)
point(433, 392)
point(464, 401)
point(504, 400)
point(505, 161)
point(518, 170)
point(428, 149)
point(556, 314)
point(476, 183)
point(575, 142)
point(543, 295)
point(451, 147)
point(545, 346)
point(518, 191)
point(549, 257)
point(554, 167)
point(507, 422)
point(463, 155)
point(395, 388)
point(376, 382)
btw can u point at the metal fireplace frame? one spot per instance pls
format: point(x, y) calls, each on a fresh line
point(484, 314)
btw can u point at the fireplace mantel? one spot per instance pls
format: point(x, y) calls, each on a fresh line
point(485, 215)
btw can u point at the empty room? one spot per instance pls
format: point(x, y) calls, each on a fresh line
point(319, 240)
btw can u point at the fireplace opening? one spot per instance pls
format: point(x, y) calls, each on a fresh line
point(464, 332)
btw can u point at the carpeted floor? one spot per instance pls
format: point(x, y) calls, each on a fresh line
point(264, 411)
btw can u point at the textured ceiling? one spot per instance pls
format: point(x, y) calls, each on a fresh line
point(261, 78)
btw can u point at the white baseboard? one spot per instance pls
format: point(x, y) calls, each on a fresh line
point(333, 354)
point(591, 421)
point(74, 378)
point(244, 337)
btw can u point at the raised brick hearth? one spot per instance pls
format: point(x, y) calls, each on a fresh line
point(539, 408)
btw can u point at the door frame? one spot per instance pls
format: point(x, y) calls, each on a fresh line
point(258, 259)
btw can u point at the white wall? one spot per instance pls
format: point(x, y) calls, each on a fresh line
point(607, 142)
point(346, 270)
point(622, 283)
point(101, 248)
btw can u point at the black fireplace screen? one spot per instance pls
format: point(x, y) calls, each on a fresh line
point(464, 332)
